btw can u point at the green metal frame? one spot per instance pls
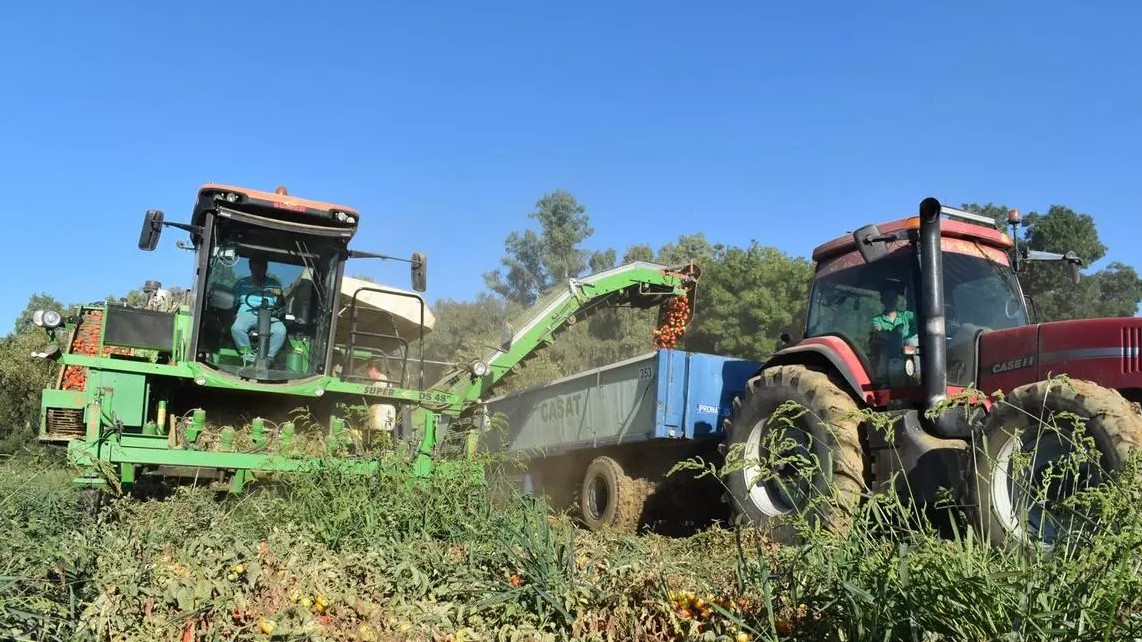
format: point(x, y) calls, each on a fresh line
point(117, 387)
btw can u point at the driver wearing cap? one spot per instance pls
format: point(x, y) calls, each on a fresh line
point(249, 292)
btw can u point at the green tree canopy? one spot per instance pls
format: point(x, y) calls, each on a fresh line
point(746, 298)
point(38, 301)
point(1114, 290)
point(536, 262)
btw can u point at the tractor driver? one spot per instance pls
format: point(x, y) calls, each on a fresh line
point(248, 294)
point(893, 317)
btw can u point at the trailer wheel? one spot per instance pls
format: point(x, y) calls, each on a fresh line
point(1044, 443)
point(767, 483)
point(609, 498)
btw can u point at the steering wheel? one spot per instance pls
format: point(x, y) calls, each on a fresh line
point(1010, 308)
point(264, 293)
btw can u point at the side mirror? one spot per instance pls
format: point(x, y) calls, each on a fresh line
point(419, 271)
point(1076, 266)
point(1072, 258)
point(506, 336)
point(783, 341)
point(152, 228)
point(871, 243)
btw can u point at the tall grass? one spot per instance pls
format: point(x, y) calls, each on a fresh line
point(334, 555)
point(895, 576)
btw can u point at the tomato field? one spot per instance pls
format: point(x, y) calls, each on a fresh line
point(352, 558)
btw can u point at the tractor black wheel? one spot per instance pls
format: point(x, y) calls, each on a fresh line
point(794, 448)
point(1042, 444)
point(609, 498)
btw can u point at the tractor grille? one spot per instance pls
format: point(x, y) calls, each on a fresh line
point(1131, 345)
point(65, 422)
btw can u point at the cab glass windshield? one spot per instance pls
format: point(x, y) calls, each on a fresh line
point(874, 307)
point(267, 302)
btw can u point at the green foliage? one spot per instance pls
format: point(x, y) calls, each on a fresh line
point(334, 556)
point(746, 299)
point(893, 576)
point(565, 225)
point(638, 253)
point(536, 262)
point(38, 301)
point(1114, 290)
point(524, 278)
point(21, 381)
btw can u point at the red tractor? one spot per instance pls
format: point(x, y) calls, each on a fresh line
point(903, 318)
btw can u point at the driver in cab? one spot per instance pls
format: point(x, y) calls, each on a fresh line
point(249, 292)
point(893, 317)
point(892, 331)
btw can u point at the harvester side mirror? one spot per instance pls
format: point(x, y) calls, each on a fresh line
point(871, 243)
point(419, 271)
point(152, 228)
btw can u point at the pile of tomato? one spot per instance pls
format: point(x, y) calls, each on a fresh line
point(672, 321)
point(86, 342)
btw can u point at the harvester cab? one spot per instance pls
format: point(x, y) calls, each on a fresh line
point(903, 318)
point(268, 288)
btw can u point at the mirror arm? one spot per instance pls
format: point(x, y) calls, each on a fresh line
point(418, 262)
point(1038, 255)
point(1073, 259)
point(359, 254)
point(900, 235)
point(193, 229)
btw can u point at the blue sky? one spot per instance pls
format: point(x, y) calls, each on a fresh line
point(789, 123)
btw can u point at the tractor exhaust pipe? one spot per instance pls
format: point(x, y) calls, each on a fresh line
point(933, 353)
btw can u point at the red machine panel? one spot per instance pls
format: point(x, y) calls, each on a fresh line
point(1008, 358)
point(1102, 350)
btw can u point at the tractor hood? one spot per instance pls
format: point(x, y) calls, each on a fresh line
point(1104, 350)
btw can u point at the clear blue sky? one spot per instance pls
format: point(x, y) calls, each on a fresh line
point(787, 122)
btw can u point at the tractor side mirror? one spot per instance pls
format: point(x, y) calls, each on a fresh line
point(152, 228)
point(1076, 266)
point(871, 243)
point(783, 341)
point(1072, 258)
point(419, 271)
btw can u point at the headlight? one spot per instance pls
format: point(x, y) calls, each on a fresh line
point(51, 319)
point(479, 368)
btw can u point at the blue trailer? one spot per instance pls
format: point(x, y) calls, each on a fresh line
point(600, 442)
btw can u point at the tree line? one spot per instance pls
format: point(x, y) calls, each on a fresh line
point(748, 296)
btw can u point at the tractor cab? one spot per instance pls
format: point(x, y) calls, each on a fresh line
point(875, 303)
point(267, 297)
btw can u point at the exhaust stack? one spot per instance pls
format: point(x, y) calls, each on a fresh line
point(934, 358)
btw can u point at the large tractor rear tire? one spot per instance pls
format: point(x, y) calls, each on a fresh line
point(1029, 431)
point(824, 427)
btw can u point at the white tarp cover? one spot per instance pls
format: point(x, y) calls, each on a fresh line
point(381, 312)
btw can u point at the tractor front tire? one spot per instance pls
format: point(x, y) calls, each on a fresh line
point(1038, 419)
point(824, 423)
point(609, 498)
